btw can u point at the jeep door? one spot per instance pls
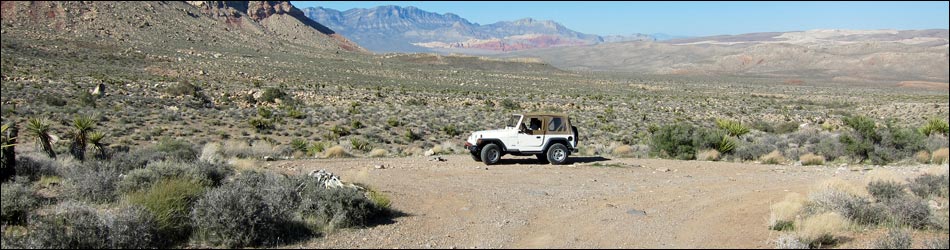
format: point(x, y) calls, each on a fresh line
point(533, 139)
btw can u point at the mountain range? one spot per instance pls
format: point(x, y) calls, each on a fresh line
point(410, 29)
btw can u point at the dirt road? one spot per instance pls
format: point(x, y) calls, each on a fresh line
point(623, 203)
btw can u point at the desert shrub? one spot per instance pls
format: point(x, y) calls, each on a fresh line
point(392, 122)
point(934, 126)
point(170, 201)
point(183, 89)
point(753, 151)
point(35, 166)
point(922, 157)
point(896, 144)
point(316, 148)
point(272, 94)
point(708, 155)
point(855, 208)
point(775, 157)
point(894, 239)
point(830, 147)
point(789, 241)
point(253, 209)
point(177, 149)
point(94, 181)
point(17, 200)
point(929, 185)
point(937, 243)
point(261, 124)
point(208, 174)
point(510, 105)
point(211, 153)
point(674, 141)
point(734, 128)
point(940, 156)
point(411, 136)
point(131, 227)
point(782, 214)
point(812, 159)
point(336, 207)
point(886, 190)
point(822, 230)
point(909, 211)
point(378, 152)
point(451, 130)
point(70, 225)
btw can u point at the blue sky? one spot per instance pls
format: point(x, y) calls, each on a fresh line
point(688, 18)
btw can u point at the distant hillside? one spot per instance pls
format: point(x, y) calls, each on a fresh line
point(409, 29)
point(834, 55)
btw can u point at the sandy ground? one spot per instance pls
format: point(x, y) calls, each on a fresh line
point(629, 203)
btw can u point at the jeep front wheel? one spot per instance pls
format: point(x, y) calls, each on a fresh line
point(490, 154)
point(476, 157)
point(557, 154)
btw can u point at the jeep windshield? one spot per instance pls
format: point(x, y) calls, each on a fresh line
point(513, 121)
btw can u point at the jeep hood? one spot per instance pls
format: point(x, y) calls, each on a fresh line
point(494, 134)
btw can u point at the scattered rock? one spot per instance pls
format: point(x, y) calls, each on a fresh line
point(663, 170)
point(636, 212)
point(437, 158)
point(99, 90)
point(429, 152)
point(379, 166)
point(269, 158)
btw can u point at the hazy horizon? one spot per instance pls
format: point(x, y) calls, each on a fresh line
point(688, 18)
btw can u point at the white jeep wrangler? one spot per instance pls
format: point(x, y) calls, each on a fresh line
point(548, 136)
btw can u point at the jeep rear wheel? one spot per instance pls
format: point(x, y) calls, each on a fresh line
point(557, 154)
point(490, 154)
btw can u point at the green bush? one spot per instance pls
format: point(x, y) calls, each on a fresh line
point(170, 201)
point(17, 200)
point(254, 209)
point(177, 149)
point(359, 144)
point(272, 94)
point(451, 130)
point(300, 145)
point(674, 141)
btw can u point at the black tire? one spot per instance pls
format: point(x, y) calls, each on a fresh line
point(476, 157)
point(490, 154)
point(542, 158)
point(557, 154)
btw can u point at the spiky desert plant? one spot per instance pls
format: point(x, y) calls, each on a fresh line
point(39, 128)
point(82, 126)
point(727, 145)
point(935, 126)
point(734, 128)
point(95, 138)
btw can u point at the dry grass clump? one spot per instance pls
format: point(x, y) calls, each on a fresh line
point(784, 213)
point(840, 185)
point(883, 175)
point(775, 157)
point(211, 153)
point(708, 155)
point(336, 152)
point(923, 157)
point(822, 229)
point(810, 159)
point(940, 156)
point(622, 151)
point(413, 151)
point(378, 152)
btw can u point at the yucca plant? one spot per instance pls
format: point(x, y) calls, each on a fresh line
point(95, 138)
point(82, 126)
point(39, 128)
point(734, 128)
point(935, 126)
point(726, 146)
